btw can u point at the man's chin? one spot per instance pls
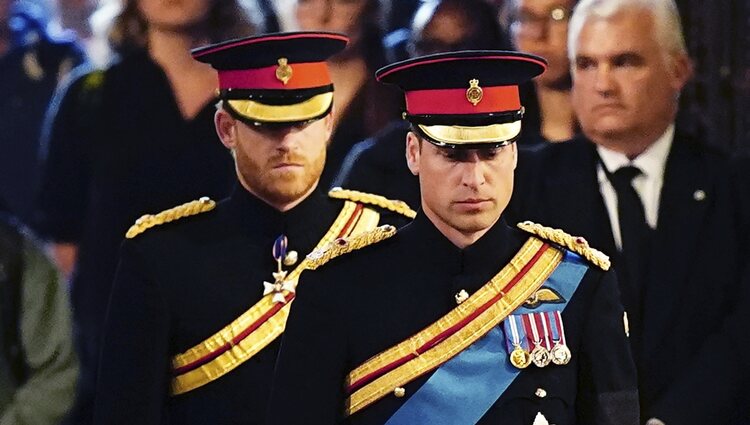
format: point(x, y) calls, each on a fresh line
point(473, 224)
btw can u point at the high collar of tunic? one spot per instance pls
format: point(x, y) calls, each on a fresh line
point(303, 225)
point(467, 268)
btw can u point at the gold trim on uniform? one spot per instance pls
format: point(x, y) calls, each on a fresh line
point(339, 247)
point(360, 233)
point(394, 205)
point(463, 338)
point(253, 343)
point(463, 135)
point(306, 110)
point(576, 244)
point(191, 208)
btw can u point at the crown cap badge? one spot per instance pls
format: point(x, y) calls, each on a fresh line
point(474, 93)
point(284, 71)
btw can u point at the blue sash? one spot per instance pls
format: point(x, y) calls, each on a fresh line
point(464, 388)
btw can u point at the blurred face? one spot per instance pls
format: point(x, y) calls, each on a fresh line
point(625, 86)
point(342, 16)
point(541, 27)
point(174, 14)
point(278, 165)
point(4, 12)
point(464, 191)
point(448, 30)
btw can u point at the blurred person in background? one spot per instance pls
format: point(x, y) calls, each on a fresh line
point(363, 107)
point(32, 63)
point(73, 15)
point(378, 164)
point(541, 27)
point(137, 137)
point(661, 203)
point(38, 367)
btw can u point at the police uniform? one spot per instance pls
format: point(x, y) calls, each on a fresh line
point(524, 326)
point(203, 289)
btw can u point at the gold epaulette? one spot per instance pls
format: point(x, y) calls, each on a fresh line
point(343, 246)
point(396, 206)
point(185, 210)
point(576, 244)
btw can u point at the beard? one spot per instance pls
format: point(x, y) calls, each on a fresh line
point(279, 187)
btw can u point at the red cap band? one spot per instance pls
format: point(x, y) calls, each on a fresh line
point(454, 101)
point(304, 76)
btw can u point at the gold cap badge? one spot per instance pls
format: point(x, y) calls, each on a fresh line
point(474, 93)
point(284, 71)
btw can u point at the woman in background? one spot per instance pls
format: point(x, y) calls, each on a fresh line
point(540, 27)
point(135, 138)
point(361, 105)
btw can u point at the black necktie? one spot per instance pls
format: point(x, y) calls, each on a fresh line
point(635, 236)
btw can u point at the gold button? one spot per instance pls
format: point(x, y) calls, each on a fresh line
point(540, 392)
point(399, 392)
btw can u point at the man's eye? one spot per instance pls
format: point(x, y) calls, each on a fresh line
point(456, 155)
point(584, 63)
point(487, 154)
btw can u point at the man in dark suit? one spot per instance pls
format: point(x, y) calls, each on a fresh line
point(657, 201)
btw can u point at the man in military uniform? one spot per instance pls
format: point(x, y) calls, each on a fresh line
point(459, 318)
point(198, 304)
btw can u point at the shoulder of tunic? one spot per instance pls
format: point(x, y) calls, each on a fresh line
point(188, 209)
point(342, 246)
point(395, 205)
point(576, 244)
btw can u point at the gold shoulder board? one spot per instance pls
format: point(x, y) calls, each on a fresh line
point(185, 210)
point(576, 244)
point(396, 206)
point(343, 246)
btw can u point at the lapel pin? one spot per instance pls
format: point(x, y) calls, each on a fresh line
point(699, 195)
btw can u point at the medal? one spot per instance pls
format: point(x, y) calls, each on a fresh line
point(520, 358)
point(539, 355)
point(560, 353)
point(518, 355)
point(280, 284)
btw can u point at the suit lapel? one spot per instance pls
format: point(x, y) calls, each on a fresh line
point(685, 196)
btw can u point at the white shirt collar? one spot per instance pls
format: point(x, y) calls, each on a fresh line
point(651, 162)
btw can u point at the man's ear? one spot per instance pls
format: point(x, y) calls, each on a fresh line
point(226, 128)
point(413, 152)
point(681, 71)
point(515, 154)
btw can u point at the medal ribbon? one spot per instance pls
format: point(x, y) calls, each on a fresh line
point(545, 329)
point(279, 249)
point(559, 324)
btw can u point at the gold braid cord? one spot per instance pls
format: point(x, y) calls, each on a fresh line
point(576, 244)
point(185, 210)
point(343, 246)
point(396, 206)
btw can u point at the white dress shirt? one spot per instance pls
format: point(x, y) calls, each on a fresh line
point(648, 184)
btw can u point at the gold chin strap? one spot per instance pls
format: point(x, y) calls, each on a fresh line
point(464, 135)
point(303, 111)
